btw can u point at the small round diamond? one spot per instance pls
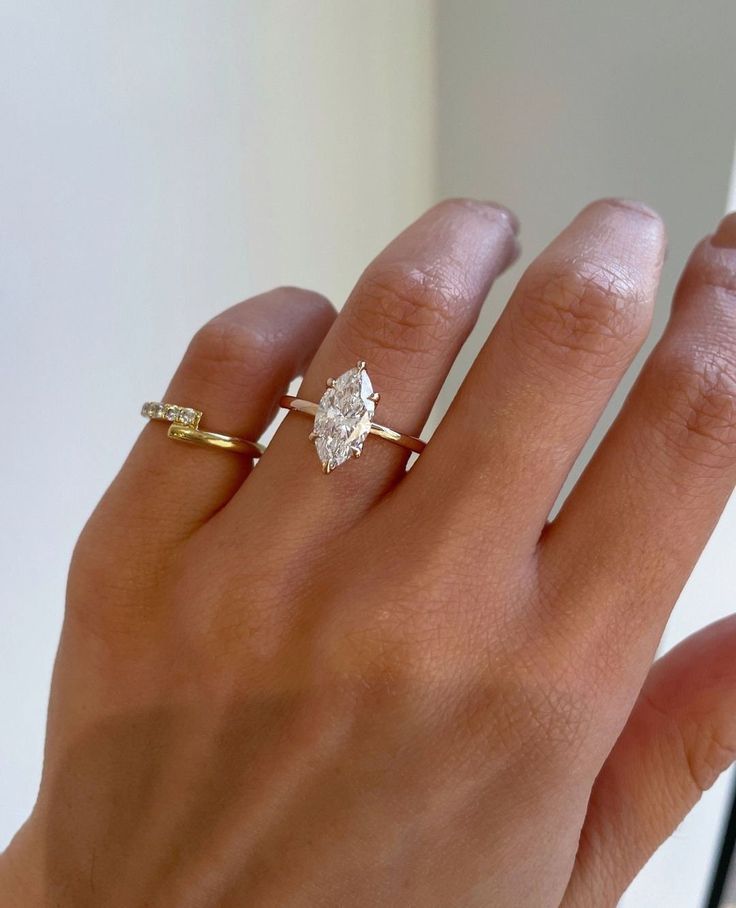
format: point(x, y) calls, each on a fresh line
point(187, 416)
point(171, 413)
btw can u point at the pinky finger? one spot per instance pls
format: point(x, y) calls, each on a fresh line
point(235, 370)
point(679, 738)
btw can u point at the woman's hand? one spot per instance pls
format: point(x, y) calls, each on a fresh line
point(378, 688)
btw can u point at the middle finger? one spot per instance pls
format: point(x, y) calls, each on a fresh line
point(531, 399)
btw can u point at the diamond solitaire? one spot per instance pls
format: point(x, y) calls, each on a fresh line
point(343, 418)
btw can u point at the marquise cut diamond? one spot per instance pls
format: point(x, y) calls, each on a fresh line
point(343, 418)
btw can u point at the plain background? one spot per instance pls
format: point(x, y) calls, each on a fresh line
point(160, 161)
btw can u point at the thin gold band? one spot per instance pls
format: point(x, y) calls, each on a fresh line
point(398, 438)
point(215, 440)
point(184, 426)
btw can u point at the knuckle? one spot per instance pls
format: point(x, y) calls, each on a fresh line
point(699, 419)
point(302, 303)
point(546, 699)
point(696, 752)
point(632, 207)
point(409, 309)
point(108, 603)
point(540, 718)
point(709, 756)
point(389, 656)
point(710, 271)
point(227, 349)
point(394, 652)
point(586, 311)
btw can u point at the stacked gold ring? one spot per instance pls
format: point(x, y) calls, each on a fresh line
point(184, 426)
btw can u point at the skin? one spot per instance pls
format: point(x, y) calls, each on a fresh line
point(381, 687)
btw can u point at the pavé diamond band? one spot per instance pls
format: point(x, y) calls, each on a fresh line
point(184, 426)
point(343, 419)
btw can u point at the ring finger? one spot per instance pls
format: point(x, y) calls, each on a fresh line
point(407, 318)
point(234, 370)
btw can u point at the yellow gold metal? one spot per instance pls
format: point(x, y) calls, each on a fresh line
point(215, 440)
point(184, 426)
point(397, 438)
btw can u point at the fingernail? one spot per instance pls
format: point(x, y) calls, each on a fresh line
point(725, 235)
point(632, 205)
point(484, 206)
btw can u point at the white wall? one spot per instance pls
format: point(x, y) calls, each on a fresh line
point(158, 162)
point(546, 106)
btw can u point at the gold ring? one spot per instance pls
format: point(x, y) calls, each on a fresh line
point(343, 419)
point(184, 426)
